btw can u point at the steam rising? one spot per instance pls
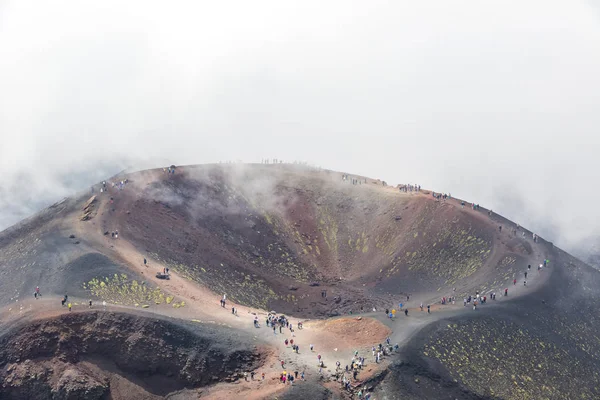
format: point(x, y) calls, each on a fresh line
point(494, 102)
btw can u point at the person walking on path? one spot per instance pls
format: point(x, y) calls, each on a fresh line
point(104, 304)
point(69, 306)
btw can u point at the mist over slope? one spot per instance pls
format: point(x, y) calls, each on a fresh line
point(277, 236)
point(19, 202)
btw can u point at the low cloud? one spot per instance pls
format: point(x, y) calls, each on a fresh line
point(495, 103)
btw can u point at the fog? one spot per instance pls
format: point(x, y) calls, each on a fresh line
point(495, 103)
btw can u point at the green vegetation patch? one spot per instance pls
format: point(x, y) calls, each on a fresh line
point(119, 289)
point(499, 358)
point(453, 253)
point(240, 286)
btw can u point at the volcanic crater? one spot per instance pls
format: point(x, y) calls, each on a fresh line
point(331, 252)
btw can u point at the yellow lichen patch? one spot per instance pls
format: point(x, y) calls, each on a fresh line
point(524, 364)
point(119, 289)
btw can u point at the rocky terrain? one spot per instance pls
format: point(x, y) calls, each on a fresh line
point(307, 243)
point(81, 355)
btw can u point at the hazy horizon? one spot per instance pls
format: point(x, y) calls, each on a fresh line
point(495, 103)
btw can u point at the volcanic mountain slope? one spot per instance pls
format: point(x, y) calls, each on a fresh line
point(544, 345)
point(266, 235)
point(280, 237)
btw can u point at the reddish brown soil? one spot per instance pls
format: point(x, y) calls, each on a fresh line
point(263, 234)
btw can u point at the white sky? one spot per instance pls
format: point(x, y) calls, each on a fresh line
point(496, 102)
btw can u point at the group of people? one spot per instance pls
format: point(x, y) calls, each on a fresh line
point(288, 377)
point(409, 188)
point(120, 185)
point(440, 196)
point(282, 323)
point(354, 181)
point(391, 314)
point(479, 299)
point(273, 321)
point(482, 299)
